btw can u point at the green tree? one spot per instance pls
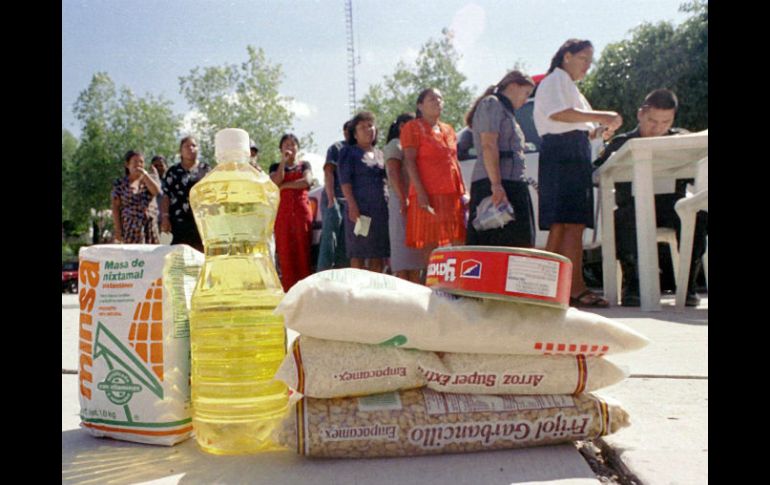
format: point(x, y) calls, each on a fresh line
point(110, 126)
point(656, 56)
point(242, 96)
point(69, 144)
point(436, 66)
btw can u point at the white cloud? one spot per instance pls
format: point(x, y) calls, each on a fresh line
point(467, 25)
point(409, 56)
point(300, 109)
point(190, 120)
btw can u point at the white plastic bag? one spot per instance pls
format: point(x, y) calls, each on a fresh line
point(354, 305)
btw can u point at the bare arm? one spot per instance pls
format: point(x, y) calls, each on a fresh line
point(492, 165)
point(610, 119)
point(278, 175)
point(393, 167)
point(304, 183)
point(165, 222)
point(410, 159)
point(353, 212)
point(329, 184)
point(151, 182)
point(116, 219)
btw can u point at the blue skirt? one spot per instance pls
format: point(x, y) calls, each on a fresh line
point(565, 188)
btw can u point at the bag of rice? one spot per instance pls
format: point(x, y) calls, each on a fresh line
point(377, 308)
point(134, 341)
point(520, 374)
point(329, 368)
point(423, 421)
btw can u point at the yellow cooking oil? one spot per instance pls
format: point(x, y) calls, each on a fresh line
point(237, 344)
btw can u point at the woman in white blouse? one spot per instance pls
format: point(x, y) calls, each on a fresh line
point(566, 122)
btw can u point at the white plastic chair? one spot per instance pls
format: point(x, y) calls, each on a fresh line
point(687, 209)
point(663, 235)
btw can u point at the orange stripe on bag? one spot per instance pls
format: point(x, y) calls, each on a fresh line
point(186, 429)
point(582, 374)
point(300, 367)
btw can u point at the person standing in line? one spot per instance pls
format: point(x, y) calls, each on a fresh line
point(435, 214)
point(331, 251)
point(254, 158)
point(499, 172)
point(406, 263)
point(362, 179)
point(655, 117)
point(158, 163)
point(176, 215)
point(566, 122)
point(132, 196)
point(294, 219)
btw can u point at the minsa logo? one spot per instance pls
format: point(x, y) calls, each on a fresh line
point(445, 269)
point(470, 269)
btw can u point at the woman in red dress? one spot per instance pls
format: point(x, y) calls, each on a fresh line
point(435, 213)
point(294, 219)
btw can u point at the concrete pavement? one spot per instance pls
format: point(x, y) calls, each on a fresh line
point(666, 396)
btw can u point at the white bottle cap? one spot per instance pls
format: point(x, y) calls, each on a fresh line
point(231, 144)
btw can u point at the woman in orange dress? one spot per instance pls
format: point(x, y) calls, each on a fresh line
point(435, 214)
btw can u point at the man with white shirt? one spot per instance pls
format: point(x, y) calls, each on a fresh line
point(655, 117)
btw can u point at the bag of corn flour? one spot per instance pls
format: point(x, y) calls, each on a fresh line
point(423, 421)
point(376, 308)
point(134, 372)
point(328, 368)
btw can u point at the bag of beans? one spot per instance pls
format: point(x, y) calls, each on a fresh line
point(376, 308)
point(423, 421)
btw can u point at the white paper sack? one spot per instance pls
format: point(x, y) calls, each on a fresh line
point(382, 309)
point(134, 341)
point(328, 368)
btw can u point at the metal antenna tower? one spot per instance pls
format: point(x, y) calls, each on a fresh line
point(351, 57)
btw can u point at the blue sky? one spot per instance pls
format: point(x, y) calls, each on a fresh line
point(146, 45)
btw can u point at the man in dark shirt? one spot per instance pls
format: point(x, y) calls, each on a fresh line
point(655, 116)
point(331, 251)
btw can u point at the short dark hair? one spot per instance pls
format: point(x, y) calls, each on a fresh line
point(573, 46)
point(395, 130)
point(661, 99)
point(513, 77)
point(421, 97)
point(158, 157)
point(181, 142)
point(286, 137)
point(351, 130)
point(128, 156)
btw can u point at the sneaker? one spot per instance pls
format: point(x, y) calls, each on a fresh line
point(692, 299)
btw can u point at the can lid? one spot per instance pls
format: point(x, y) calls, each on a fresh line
point(512, 250)
point(232, 144)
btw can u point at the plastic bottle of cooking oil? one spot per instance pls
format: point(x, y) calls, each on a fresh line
point(237, 342)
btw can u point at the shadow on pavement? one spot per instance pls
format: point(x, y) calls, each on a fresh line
point(89, 460)
point(690, 316)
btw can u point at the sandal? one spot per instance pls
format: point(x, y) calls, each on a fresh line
point(588, 299)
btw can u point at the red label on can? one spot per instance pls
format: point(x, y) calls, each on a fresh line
point(528, 276)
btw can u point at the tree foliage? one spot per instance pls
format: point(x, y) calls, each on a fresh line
point(111, 124)
point(436, 67)
point(656, 56)
point(69, 144)
point(242, 96)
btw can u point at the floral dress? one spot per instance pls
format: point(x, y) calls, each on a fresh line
point(136, 215)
